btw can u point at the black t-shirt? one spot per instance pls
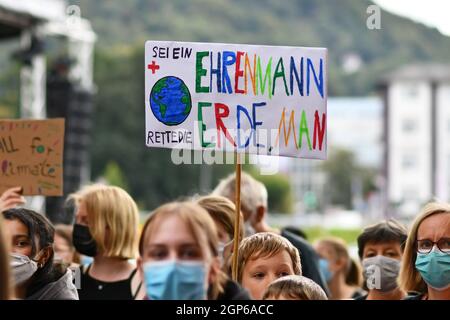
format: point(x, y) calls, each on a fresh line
point(414, 296)
point(233, 291)
point(362, 297)
point(93, 289)
point(309, 259)
point(359, 294)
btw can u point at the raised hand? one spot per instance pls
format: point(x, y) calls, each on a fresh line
point(11, 198)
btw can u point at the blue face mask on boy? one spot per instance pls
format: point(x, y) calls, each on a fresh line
point(434, 268)
point(175, 280)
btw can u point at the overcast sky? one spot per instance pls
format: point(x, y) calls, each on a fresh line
point(435, 13)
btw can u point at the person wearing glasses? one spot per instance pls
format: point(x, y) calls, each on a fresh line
point(426, 260)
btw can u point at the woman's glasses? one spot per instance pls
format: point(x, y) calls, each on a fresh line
point(426, 245)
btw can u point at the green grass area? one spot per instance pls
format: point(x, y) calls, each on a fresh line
point(348, 235)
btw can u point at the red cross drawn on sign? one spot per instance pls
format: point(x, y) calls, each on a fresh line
point(153, 66)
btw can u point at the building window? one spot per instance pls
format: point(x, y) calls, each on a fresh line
point(409, 125)
point(408, 161)
point(410, 194)
point(412, 91)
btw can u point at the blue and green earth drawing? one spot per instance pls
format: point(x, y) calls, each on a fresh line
point(170, 100)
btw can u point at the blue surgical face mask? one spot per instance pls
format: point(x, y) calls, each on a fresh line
point(175, 280)
point(324, 267)
point(85, 260)
point(434, 268)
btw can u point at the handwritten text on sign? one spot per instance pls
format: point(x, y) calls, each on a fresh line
point(31, 156)
point(253, 99)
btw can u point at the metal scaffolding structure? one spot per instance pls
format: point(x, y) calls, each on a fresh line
point(33, 23)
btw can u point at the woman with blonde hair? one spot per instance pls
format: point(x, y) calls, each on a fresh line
point(342, 273)
point(106, 229)
point(179, 255)
point(425, 266)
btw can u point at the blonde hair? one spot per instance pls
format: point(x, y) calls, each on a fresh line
point(353, 272)
point(203, 230)
point(295, 287)
point(409, 278)
point(253, 192)
point(266, 244)
point(111, 209)
point(5, 280)
point(223, 211)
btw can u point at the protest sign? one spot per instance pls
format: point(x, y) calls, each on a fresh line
point(264, 100)
point(31, 156)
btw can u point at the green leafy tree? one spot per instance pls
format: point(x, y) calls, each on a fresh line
point(279, 191)
point(340, 27)
point(344, 175)
point(114, 176)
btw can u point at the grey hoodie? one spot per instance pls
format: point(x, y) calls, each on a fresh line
point(61, 289)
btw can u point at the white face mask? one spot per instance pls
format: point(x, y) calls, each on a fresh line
point(221, 249)
point(23, 267)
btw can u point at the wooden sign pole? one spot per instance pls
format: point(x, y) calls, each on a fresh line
point(237, 217)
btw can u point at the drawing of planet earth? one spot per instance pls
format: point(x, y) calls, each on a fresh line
point(170, 101)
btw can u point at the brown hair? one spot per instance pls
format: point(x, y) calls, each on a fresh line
point(223, 211)
point(295, 287)
point(353, 273)
point(5, 280)
point(41, 234)
point(409, 278)
point(201, 226)
point(382, 232)
point(266, 244)
point(65, 231)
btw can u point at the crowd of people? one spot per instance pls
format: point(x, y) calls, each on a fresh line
point(184, 251)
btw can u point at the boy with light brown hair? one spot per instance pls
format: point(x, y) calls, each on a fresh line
point(294, 288)
point(263, 258)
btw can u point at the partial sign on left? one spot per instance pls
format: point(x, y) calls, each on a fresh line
point(31, 156)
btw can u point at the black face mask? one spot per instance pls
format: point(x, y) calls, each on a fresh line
point(83, 241)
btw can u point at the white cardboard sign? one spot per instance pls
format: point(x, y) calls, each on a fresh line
point(267, 100)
